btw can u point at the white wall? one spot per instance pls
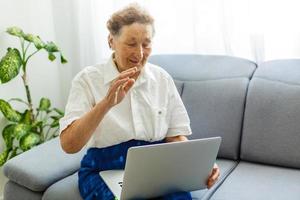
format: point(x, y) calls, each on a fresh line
point(33, 16)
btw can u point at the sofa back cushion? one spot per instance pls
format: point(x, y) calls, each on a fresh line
point(271, 132)
point(216, 108)
point(203, 67)
point(214, 93)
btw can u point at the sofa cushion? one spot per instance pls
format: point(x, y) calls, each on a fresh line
point(280, 70)
point(204, 67)
point(66, 189)
point(179, 86)
point(250, 181)
point(271, 125)
point(216, 108)
point(13, 191)
point(226, 167)
point(41, 166)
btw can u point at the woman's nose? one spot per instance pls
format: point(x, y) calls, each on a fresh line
point(139, 52)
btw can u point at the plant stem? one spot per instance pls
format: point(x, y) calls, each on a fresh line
point(24, 77)
point(28, 95)
point(30, 56)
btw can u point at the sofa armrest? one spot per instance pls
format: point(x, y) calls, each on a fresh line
point(41, 166)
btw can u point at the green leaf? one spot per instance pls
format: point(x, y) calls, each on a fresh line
point(10, 65)
point(55, 123)
point(51, 56)
point(8, 112)
point(63, 60)
point(44, 104)
point(37, 124)
point(17, 99)
point(13, 153)
point(16, 31)
point(56, 117)
point(60, 112)
point(20, 130)
point(26, 117)
point(38, 43)
point(3, 156)
point(8, 135)
point(29, 140)
point(51, 47)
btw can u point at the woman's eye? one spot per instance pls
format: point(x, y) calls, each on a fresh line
point(147, 45)
point(131, 44)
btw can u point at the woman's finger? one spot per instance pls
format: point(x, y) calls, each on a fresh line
point(126, 86)
point(117, 94)
point(215, 174)
point(117, 83)
point(127, 73)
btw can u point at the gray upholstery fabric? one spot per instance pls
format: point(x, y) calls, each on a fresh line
point(41, 166)
point(13, 191)
point(271, 126)
point(226, 167)
point(203, 67)
point(280, 70)
point(65, 189)
point(250, 181)
point(216, 108)
point(179, 86)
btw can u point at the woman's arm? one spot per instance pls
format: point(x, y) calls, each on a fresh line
point(176, 138)
point(76, 135)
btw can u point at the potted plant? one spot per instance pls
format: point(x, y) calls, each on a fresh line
point(32, 126)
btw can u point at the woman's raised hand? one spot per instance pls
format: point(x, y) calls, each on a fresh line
point(120, 86)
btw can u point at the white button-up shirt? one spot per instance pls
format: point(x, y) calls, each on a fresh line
point(151, 110)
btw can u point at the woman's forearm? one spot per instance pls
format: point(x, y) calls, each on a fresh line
point(176, 138)
point(75, 136)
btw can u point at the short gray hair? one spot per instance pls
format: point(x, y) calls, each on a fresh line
point(131, 14)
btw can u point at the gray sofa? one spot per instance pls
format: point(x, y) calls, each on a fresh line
point(256, 111)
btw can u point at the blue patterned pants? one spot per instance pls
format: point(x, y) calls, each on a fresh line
point(92, 186)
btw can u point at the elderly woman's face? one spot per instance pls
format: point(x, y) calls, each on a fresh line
point(132, 46)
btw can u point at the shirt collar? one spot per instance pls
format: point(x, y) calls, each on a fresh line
point(111, 72)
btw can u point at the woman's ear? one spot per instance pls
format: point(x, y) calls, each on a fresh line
point(111, 42)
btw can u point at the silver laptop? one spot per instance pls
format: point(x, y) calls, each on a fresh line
point(155, 170)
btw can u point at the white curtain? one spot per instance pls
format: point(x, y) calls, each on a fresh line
point(258, 30)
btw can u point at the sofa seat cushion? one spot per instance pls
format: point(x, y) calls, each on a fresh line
point(13, 191)
point(250, 181)
point(226, 167)
point(65, 189)
point(42, 166)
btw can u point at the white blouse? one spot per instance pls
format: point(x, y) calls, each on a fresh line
point(151, 110)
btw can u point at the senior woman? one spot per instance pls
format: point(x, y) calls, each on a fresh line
point(122, 103)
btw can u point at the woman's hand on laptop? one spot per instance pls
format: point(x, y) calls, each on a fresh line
point(213, 177)
point(215, 173)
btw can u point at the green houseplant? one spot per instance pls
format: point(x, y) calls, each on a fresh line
point(32, 126)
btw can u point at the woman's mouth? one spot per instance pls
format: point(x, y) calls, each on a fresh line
point(134, 62)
